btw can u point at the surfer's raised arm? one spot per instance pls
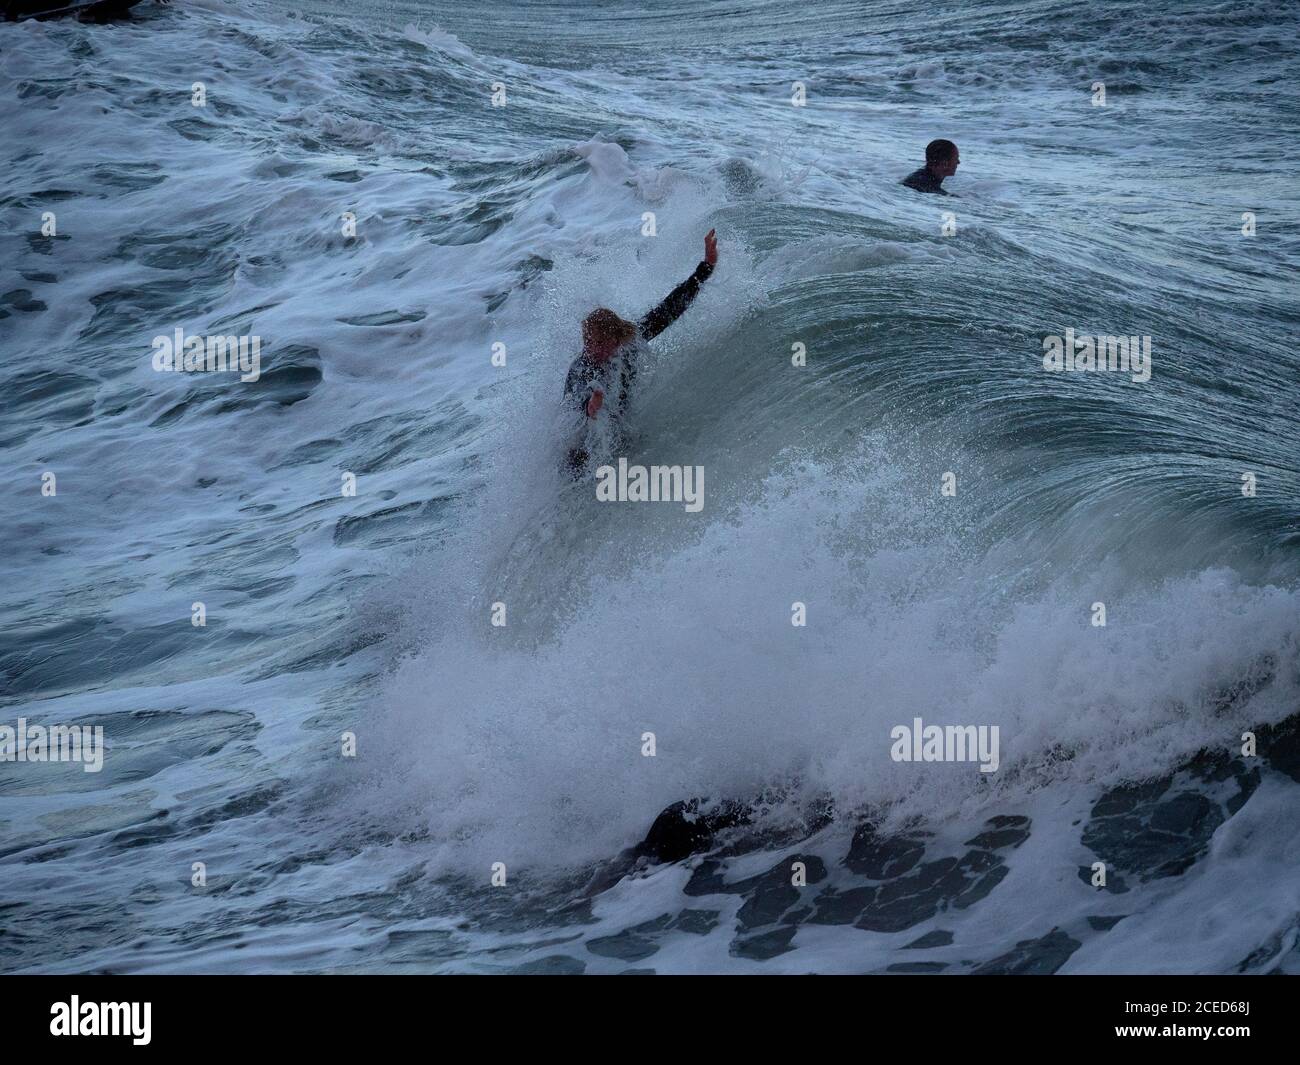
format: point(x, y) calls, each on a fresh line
point(680, 298)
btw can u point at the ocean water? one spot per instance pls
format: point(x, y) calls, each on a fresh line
point(229, 832)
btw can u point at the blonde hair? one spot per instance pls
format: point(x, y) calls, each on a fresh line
point(603, 325)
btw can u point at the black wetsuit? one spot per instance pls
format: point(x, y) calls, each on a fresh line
point(585, 376)
point(924, 181)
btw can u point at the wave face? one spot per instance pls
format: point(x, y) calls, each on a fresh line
point(803, 845)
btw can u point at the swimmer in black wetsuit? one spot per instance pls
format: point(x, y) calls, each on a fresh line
point(611, 347)
point(941, 161)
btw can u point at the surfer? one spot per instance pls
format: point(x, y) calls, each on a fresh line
point(611, 347)
point(941, 161)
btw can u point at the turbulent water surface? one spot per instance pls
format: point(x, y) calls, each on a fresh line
point(348, 193)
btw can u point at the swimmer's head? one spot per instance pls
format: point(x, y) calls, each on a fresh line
point(941, 158)
point(604, 332)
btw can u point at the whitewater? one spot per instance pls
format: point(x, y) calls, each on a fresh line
point(349, 763)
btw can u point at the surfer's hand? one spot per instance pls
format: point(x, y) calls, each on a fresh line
point(710, 248)
point(593, 404)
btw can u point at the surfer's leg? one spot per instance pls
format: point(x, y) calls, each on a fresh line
point(577, 461)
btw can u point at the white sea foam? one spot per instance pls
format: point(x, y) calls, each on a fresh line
point(527, 753)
